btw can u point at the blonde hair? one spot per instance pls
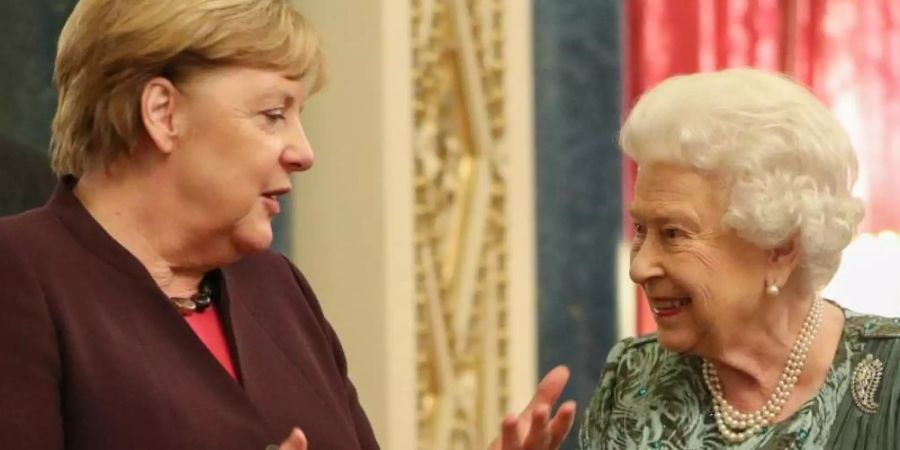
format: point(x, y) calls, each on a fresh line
point(109, 50)
point(790, 163)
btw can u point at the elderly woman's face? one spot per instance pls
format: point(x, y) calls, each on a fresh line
point(241, 138)
point(700, 279)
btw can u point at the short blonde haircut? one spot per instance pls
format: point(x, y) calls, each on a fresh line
point(790, 164)
point(110, 49)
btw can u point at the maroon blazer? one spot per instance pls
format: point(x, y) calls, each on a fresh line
point(93, 357)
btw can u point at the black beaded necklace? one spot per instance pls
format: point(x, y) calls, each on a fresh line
point(196, 303)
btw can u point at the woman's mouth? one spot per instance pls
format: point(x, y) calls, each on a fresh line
point(270, 202)
point(270, 199)
point(668, 307)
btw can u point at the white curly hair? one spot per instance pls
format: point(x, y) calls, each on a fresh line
point(790, 164)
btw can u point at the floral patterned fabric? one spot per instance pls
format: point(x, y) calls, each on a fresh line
point(651, 398)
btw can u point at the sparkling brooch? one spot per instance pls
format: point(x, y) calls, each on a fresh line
point(864, 383)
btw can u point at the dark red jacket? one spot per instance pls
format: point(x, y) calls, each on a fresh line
point(93, 357)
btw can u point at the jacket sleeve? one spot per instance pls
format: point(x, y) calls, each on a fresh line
point(30, 406)
point(364, 433)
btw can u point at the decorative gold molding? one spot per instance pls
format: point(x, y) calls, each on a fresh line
point(460, 222)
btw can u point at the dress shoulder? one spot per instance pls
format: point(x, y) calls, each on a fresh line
point(867, 415)
point(873, 327)
point(629, 359)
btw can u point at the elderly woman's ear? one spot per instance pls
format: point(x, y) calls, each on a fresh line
point(159, 100)
point(783, 261)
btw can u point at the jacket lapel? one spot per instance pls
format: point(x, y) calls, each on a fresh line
point(280, 372)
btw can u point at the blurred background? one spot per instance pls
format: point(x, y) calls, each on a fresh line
point(464, 226)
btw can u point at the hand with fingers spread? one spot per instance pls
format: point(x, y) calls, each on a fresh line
point(534, 428)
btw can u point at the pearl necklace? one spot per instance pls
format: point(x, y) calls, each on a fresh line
point(736, 426)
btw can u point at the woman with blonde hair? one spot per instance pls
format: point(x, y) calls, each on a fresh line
point(741, 209)
point(141, 307)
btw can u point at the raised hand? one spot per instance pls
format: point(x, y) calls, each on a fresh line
point(534, 429)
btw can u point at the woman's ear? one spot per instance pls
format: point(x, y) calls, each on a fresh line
point(784, 258)
point(159, 100)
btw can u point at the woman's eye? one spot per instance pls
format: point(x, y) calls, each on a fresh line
point(639, 229)
point(274, 115)
point(672, 233)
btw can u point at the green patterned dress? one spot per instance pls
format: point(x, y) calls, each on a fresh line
point(651, 398)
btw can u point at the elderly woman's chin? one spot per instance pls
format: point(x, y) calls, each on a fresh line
point(678, 342)
point(679, 337)
point(250, 240)
point(252, 235)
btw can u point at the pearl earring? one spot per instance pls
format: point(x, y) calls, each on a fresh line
point(772, 290)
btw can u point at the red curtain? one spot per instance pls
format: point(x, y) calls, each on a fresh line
point(860, 78)
point(844, 49)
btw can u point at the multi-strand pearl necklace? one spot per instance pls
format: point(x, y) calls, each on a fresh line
point(736, 426)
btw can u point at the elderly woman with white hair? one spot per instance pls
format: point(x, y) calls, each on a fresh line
point(742, 207)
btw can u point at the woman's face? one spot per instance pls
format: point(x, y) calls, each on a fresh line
point(701, 280)
point(239, 140)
